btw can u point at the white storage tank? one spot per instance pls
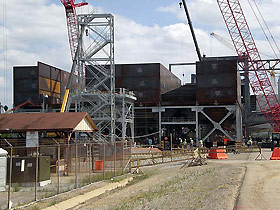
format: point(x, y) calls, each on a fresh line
point(3, 169)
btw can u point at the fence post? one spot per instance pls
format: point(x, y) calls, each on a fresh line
point(10, 178)
point(115, 156)
point(58, 168)
point(104, 157)
point(76, 165)
point(89, 163)
point(122, 157)
point(36, 172)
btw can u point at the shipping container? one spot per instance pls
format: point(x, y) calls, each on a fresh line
point(217, 82)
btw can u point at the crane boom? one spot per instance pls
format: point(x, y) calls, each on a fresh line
point(72, 25)
point(192, 30)
point(247, 50)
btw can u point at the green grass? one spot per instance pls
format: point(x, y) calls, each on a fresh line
point(16, 187)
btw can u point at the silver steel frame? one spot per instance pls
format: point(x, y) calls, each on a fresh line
point(112, 110)
point(96, 54)
point(233, 110)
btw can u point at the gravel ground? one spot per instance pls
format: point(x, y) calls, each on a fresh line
point(212, 186)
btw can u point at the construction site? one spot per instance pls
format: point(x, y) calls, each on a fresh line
point(135, 135)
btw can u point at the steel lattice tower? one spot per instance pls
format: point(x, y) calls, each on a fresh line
point(96, 91)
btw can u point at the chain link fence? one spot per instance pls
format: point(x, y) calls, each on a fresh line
point(47, 170)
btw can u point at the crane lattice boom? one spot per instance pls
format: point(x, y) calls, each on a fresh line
point(71, 16)
point(247, 50)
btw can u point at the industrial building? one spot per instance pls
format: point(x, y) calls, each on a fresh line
point(163, 106)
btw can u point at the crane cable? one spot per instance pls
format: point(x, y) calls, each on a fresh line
point(5, 62)
point(266, 36)
point(182, 44)
point(266, 26)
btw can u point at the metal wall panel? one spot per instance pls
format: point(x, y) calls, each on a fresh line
point(168, 81)
point(147, 96)
point(43, 92)
point(55, 74)
point(21, 97)
point(44, 70)
point(26, 85)
point(55, 86)
point(183, 96)
point(216, 82)
point(141, 70)
point(25, 72)
point(133, 83)
point(44, 84)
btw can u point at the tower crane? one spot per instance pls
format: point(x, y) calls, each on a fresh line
point(246, 49)
point(72, 26)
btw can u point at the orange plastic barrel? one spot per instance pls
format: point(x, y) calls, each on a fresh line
point(98, 165)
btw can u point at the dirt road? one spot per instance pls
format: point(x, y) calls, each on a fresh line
point(261, 185)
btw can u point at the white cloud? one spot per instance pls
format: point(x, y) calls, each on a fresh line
point(36, 30)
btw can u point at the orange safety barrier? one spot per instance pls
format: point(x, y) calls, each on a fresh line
point(98, 165)
point(275, 154)
point(217, 154)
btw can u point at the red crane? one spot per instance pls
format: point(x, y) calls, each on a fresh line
point(247, 50)
point(71, 16)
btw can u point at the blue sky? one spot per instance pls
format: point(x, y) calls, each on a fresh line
point(143, 12)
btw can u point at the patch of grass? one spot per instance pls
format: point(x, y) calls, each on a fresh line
point(36, 207)
point(118, 179)
point(16, 187)
point(168, 187)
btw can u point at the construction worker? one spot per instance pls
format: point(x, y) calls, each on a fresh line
point(200, 143)
point(185, 144)
point(250, 142)
point(191, 141)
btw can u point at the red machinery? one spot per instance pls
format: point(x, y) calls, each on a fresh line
point(247, 51)
point(71, 16)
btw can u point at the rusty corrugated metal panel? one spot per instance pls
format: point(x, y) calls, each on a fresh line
point(43, 121)
point(216, 82)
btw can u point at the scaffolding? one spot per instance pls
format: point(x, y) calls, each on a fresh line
point(111, 110)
